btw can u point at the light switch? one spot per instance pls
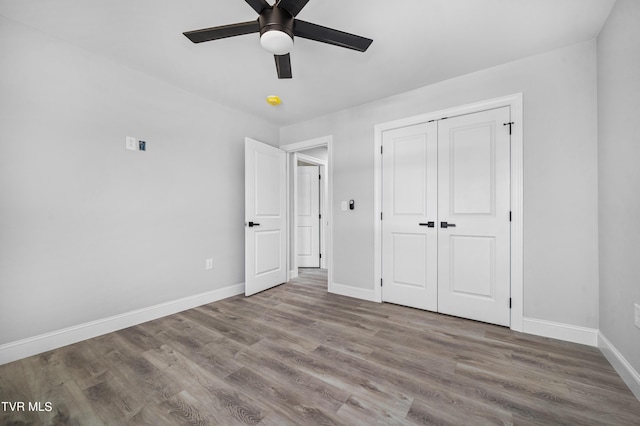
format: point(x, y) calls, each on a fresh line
point(132, 143)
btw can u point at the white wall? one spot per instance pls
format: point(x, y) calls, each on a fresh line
point(89, 230)
point(560, 175)
point(619, 177)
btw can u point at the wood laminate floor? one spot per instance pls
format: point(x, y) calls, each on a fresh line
point(297, 355)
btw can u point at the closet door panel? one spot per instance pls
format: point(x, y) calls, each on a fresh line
point(473, 215)
point(409, 199)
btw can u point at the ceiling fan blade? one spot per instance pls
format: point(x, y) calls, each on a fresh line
point(329, 35)
point(215, 33)
point(283, 65)
point(292, 6)
point(258, 5)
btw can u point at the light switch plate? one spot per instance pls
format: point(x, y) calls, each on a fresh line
point(131, 144)
point(345, 206)
point(209, 264)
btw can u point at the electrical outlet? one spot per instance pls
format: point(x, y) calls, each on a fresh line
point(209, 264)
point(637, 314)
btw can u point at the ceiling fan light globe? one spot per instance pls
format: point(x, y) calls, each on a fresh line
point(276, 42)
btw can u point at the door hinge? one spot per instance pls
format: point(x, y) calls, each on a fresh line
point(320, 255)
point(380, 215)
point(319, 177)
point(380, 282)
point(380, 149)
point(509, 303)
point(509, 216)
point(319, 216)
point(510, 124)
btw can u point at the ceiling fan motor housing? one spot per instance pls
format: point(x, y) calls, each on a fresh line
point(276, 30)
point(275, 18)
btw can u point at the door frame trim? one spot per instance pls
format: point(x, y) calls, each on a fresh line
point(291, 149)
point(513, 101)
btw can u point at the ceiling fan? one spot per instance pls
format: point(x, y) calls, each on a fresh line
point(277, 27)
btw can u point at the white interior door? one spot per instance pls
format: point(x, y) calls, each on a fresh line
point(265, 217)
point(308, 211)
point(474, 196)
point(409, 206)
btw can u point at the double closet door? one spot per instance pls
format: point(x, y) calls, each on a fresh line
point(446, 216)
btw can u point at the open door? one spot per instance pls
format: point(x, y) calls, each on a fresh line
point(265, 216)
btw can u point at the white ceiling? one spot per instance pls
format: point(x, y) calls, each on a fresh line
point(416, 43)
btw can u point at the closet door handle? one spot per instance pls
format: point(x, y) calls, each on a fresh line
point(447, 225)
point(428, 224)
point(252, 224)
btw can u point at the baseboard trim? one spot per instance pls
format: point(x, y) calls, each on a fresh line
point(293, 274)
point(355, 292)
point(14, 351)
point(561, 331)
point(626, 371)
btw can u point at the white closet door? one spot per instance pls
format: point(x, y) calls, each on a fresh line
point(409, 197)
point(474, 196)
point(308, 206)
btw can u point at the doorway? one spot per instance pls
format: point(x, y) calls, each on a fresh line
point(309, 202)
point(311, 153)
